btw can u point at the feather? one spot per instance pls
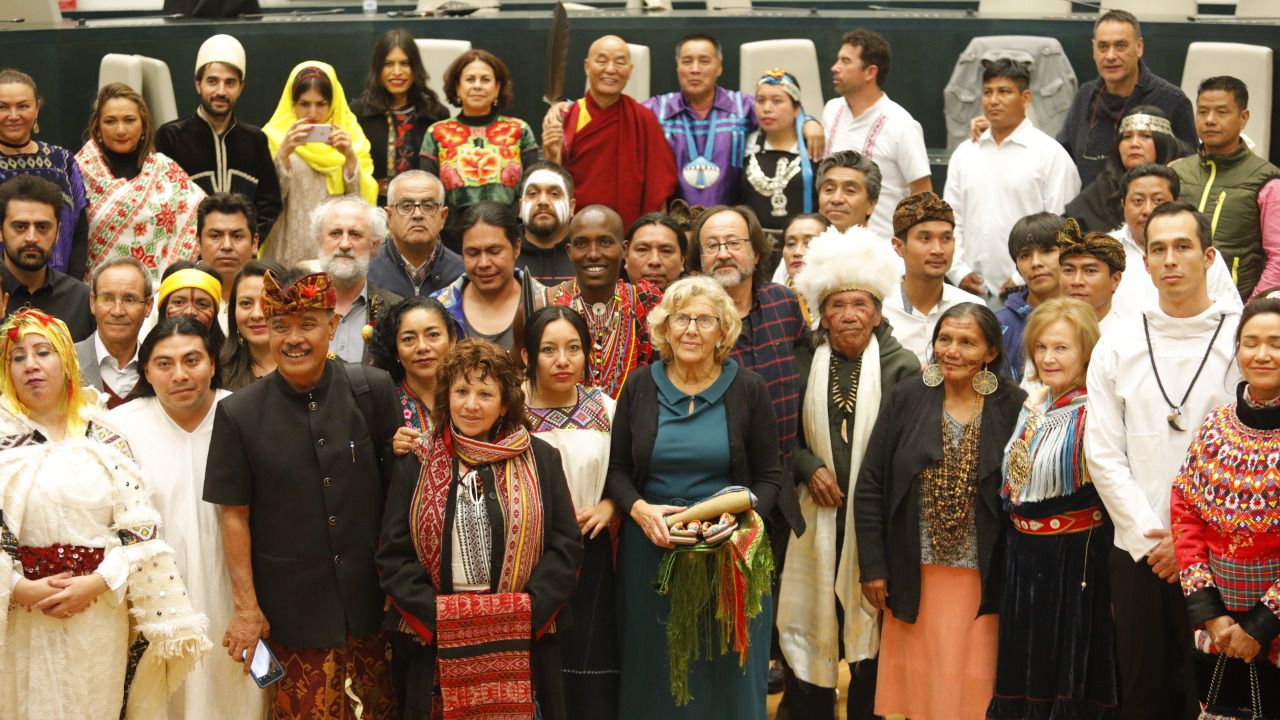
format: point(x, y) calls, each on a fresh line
point(557, 55)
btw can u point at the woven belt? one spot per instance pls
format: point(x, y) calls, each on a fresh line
point(41, 562)
point(1064, 524)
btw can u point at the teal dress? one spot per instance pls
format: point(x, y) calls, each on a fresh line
point(690, 462)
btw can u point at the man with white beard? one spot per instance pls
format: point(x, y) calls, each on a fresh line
point(350, 231)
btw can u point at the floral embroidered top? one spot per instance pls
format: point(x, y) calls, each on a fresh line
point(1225, 513)
point(417, 415)
point(479, 158)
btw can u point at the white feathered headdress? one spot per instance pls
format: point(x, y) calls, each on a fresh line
point(856, 259)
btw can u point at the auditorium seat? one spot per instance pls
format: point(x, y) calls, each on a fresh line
point(1153, 9)
point(437, 56)
point(797, 56)
point(148, 76)
point(714, 5)
point(1252, 64)
point(1025, 7)
point(639, 84)
point(34, 11)
point(1257, 9)
point(1053, 82)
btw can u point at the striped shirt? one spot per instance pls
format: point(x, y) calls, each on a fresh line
point(770, 333)
point(732, 117)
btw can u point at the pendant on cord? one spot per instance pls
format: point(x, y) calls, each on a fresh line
point(1173, 419)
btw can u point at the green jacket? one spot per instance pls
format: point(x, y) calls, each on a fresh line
point(1225, 187)
point(896, 364)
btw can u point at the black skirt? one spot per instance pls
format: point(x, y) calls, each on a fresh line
point(1056, 647)
point(589, 647)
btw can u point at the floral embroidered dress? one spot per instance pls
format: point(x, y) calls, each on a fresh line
point(151, 217)
point(1225, 514)
point(479, 157)
point(80, 505)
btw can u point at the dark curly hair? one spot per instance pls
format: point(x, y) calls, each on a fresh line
point(476, 359)
point(501, 75)
point(383, 346)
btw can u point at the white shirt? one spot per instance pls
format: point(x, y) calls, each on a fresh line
point(913, 328)
point(1137, 292)
point(120, 379)
point(990, 187)
point(887, 134)
point(173, 465)
point(1132, 452)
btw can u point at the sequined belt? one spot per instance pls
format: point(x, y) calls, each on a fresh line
point(41, 562)
point(1064, 524)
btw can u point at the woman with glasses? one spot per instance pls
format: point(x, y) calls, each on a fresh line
point(687, 427)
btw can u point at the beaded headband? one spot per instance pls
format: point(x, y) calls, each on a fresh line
point(784, 80)
point(1143, 121)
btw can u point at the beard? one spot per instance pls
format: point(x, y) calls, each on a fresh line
point(209, 110)
point(21, 258)
point(345, 268)
point(731, 277)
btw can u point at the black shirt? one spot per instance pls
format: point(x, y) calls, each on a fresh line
point(550, 266)
point(61, 295)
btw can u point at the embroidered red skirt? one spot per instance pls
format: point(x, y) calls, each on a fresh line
point(483, 643)
point(41, 562)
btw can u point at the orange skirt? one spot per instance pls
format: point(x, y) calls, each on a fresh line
point(943, 666)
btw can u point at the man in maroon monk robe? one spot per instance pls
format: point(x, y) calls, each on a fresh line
point(611, 145)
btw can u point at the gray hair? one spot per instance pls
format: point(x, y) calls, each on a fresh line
point(414, 175)
point(123, 261)
point(376, 219)
point(682, 291)
point(854, 160)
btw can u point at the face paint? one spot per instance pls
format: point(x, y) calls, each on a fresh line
point(560, 205)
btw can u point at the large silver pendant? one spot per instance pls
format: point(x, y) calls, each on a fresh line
point(701, 173)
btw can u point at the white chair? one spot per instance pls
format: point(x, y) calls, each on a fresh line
point(1025, 7)
point(797, 56)
point(1257, 9)
point(437, 56)
point(736, 5)
point(1252, 64)
point(148, 76)
point(34, 12)
point(638, 86)
point(1153, 8)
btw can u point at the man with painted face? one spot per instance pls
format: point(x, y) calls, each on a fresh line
point(298, 466)
point(220, 153)
point(612, 145)
point(546, 206)
point(614, 309)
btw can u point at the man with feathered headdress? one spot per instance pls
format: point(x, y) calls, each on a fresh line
point(822, 617)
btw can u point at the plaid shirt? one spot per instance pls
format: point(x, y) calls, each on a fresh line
point(767, 347)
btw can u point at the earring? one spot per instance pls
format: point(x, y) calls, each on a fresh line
point(35, 128)
point(985, 382)
point(932, 375)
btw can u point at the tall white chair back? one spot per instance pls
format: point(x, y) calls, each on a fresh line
point(437, 56)
point(797, 56)
point(1253, 64)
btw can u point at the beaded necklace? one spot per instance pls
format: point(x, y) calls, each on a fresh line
point(949, 486)
point(845, 403)
point(613, 334)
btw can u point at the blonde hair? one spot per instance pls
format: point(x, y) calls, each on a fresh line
point(681, 292)
point(1076, 312)
point(28, 321)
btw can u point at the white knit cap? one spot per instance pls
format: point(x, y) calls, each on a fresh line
point(224, 49)
point(856, 259)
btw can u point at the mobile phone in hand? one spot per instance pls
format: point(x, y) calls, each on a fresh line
point(265, 669)
point(319, 133)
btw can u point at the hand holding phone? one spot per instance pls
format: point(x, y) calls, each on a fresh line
point(264, 669)
point(319, 132)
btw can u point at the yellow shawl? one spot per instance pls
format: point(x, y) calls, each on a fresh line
point(321, 157)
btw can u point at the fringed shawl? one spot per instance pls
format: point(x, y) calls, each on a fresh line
point(1056, 442)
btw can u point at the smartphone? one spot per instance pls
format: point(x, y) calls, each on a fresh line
point(265, 669)
point(319, 133)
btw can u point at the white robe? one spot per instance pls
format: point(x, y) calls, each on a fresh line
point(173, 463)
point(807, 632)
point(1133, 454)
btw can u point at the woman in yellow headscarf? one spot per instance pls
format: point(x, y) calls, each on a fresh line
point(319, 150)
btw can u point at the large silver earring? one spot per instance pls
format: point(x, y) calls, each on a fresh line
point(985, 382)
point(932, 375)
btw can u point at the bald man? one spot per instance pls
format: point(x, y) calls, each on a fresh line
point(612, 145)
point(615, 310)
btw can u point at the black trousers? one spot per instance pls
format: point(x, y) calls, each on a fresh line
point(810, 702)
point(1154, 644)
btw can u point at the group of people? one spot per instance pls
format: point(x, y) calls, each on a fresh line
point(407, 401)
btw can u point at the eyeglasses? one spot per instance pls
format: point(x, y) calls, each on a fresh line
point(128, 302)
point(680, 321)
point(428, 207)
point(733, 245)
